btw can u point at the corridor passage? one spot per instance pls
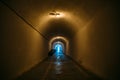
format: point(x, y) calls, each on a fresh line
point(57, 67)
point(87, 32)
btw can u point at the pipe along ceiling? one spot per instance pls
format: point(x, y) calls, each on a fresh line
point(73, 18)
point(87, 28)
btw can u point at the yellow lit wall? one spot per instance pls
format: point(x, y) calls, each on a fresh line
point(90, 26)
point(22, 47)
point(96, 45)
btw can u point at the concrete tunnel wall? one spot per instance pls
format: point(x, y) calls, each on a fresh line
point(22, 47)
point(96, 45)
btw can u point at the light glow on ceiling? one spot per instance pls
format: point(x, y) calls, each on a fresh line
point(56, 14)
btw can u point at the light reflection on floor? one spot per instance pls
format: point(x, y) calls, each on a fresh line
point(58, 67)
point(58, 62)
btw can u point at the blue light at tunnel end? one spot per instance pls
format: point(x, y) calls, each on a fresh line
point(59, 48)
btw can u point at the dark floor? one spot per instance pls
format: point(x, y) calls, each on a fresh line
point(57, 67)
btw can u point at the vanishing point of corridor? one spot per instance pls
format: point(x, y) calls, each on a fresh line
point(83, 35)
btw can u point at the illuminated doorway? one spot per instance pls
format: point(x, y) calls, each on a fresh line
point(61, 43)
point(60, 49)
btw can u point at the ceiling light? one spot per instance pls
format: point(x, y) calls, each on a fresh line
point(56, 14)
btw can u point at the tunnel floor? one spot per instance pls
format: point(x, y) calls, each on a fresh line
point(58, 67)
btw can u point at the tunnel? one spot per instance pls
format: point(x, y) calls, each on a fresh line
point(83, 33)
point(58, 46)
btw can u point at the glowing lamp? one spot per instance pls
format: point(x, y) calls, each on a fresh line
point(56, 14)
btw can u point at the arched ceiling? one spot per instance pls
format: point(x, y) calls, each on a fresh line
point(78, 14)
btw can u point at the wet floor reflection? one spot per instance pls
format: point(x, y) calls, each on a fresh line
point(58, 62)
point(57, 67)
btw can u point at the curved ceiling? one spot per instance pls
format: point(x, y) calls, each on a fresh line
point(78, 14)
